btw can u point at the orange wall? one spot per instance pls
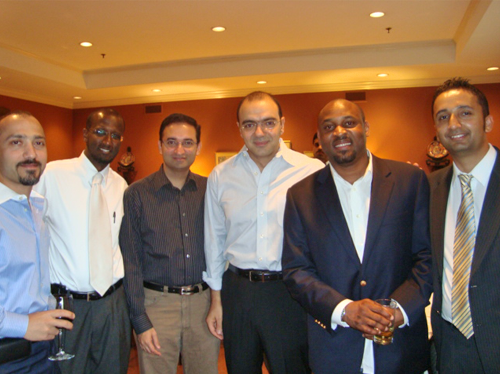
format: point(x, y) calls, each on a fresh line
point(57, 123)
point(401, 125)
point(400, 120)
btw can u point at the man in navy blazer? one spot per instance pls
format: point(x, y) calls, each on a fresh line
point(357, 231)
point(462, 120)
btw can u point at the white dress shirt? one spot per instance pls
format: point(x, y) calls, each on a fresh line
point(67, 184)
point(479, 183)
point(244, 210)
point(355, 201)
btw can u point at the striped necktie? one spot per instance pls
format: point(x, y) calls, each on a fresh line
point(463, 250)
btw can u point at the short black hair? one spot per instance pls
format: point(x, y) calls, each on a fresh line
point(105, 112)
point(258, 95)
point(180, 118)
point(462, 83)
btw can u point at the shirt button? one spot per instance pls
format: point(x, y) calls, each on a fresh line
point(260, 258)
point(362, 283)
point(188, 256)
point(261, 213)
point(255, 173)
point(262, 192)
point(186, 234)
point(184, 214)
point(261, 236)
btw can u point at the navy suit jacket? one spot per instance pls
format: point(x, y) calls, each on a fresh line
point(484, 286)
point(321, 266)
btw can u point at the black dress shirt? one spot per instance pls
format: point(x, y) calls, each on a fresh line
point(161, 238)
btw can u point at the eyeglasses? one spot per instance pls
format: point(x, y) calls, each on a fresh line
point(267, 125)
point(101, 133)
point(173, 144)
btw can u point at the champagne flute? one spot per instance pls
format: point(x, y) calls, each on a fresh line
point(63, 302)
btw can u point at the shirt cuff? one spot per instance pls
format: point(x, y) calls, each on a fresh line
point(14, 325)
point(214, 283)
point(141, 323)
point(405, 316)
point(337, 314)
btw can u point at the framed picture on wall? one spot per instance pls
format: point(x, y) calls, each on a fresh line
point(288, 143)
point(223, 156)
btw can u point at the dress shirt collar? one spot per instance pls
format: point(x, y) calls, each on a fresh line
point(368, 171)
point(7, 194)
point(160, 180)
point(283, 153)
point(90, 170)
point(482, 170)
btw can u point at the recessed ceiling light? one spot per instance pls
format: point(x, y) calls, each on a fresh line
point(77, 97)
point(86, 44)
point(218, 29)
point(156, 90)
point(377, 14)
point(261, 82)
point(492, 68)
point(382, 75)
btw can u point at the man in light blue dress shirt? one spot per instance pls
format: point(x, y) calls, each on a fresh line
point(25, 300)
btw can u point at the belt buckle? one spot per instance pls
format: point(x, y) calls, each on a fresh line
point(260, 278)
point(187, 291)
point(88, 296)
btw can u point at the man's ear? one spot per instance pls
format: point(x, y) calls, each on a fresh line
point(488, 123)
point(282, 125)
point(198, 149)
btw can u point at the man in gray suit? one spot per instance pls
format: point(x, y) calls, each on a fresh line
point(465, 227)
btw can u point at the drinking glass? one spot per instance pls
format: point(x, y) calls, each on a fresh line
point(385, 337)
point(63, 302)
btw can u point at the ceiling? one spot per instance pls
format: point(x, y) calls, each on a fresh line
point(294, 45)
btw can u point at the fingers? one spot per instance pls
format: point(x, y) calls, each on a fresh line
point(215, 326)
point(214, 317)
point(368, 317)
point(149, 343)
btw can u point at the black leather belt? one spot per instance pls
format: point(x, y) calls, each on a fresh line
point(257, 275)
point(184, 290)
point(89, 296)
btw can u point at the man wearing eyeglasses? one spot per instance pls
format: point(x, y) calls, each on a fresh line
point(162, 243)
point(84, 214)
point(251, 308)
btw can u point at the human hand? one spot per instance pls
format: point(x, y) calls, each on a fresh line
point(214, 316)
point(45, 325)
point(148, 341)
point(368, 317)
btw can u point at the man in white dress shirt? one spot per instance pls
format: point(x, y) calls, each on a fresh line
point(251, 308)
point(355, 232)
point(100, 338)
point(465, 344)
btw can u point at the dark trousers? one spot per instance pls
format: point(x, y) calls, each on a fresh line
point(36, 363)
point(258, 319)
point(458, 355)
point(100, 339)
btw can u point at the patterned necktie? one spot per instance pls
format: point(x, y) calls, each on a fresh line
point(463, 250)
point(100, 245)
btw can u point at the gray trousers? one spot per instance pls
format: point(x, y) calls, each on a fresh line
point(100, 339)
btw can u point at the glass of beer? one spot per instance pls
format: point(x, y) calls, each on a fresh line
point(385, 337)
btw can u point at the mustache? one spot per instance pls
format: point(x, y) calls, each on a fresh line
point(29, 161)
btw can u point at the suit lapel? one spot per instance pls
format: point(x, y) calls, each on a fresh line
point(382, 188)
point(489, 224)
point(329, 201)
point(439, 201)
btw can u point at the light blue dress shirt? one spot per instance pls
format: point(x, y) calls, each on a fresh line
point(24, 261)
